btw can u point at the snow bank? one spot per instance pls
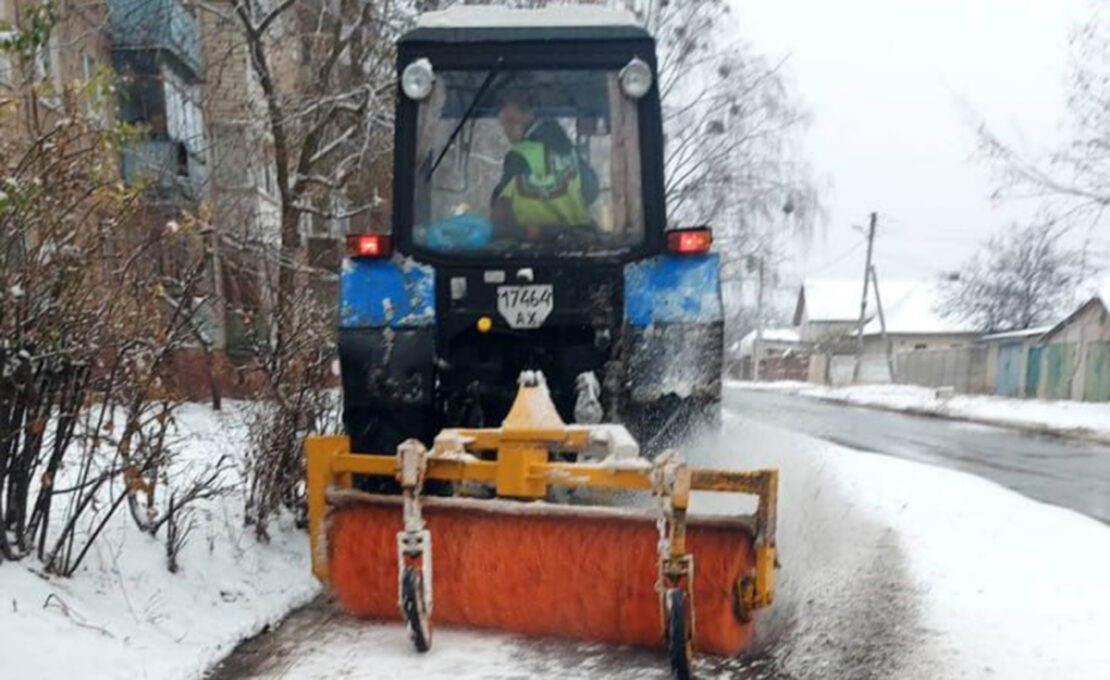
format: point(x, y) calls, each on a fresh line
point(124, 616)
point(1061, 417)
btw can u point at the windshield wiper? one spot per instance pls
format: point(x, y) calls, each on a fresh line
point(462, 121)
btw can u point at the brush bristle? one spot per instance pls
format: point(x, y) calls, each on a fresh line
point(563, 574)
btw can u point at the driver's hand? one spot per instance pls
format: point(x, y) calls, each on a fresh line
point(532, 232)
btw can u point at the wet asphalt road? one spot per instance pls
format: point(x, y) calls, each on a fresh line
point(1070, 473)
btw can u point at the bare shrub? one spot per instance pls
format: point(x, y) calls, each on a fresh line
point(96, 296)
point(299, 398)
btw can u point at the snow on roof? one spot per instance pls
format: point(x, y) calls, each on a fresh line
point(829, 300)
point(1020, 333)
point(747, 343)
point(910, 307)
point(1099, 294)
point(560, 16)
point(779, 334)
point(1091, 302)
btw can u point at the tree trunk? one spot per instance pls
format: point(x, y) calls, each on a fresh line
point(287, 276)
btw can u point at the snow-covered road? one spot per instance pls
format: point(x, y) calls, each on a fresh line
point(1071, 473)
point(890, 569)
point(320, 642)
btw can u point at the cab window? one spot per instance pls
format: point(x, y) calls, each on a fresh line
point(528, 162)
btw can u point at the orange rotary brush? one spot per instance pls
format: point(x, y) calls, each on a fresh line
point(541, 569)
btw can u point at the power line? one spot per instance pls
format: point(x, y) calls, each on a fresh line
point(836, 260)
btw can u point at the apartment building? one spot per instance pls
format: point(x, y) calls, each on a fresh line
point(183, 77)
point(35, 84)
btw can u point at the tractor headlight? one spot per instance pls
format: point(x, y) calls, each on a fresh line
point(417, 79)
point(636, 78)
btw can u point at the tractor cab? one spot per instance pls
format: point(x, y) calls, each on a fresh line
point(528, 233)
point(521, 143)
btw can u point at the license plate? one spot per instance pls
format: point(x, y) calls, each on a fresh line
point(525, 306)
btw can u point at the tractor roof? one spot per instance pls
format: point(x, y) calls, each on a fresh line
point(484, 23)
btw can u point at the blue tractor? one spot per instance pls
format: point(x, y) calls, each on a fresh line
point(529, 232)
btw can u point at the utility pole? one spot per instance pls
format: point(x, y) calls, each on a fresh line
point(757, 346)
point(882, 325)
point(863, 298)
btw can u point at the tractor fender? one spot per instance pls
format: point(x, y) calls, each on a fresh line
point(674, 328)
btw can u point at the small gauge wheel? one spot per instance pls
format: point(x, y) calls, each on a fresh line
point(414, 609)
point(679, 646)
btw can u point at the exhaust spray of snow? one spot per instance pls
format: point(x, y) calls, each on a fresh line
point(892, 569)
point(845, 604)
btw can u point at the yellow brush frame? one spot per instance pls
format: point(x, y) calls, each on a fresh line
point(522, 469)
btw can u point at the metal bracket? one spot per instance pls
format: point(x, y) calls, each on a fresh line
point(414, 541)
point(671, 483)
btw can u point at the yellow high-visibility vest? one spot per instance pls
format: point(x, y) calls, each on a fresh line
point(551, 195)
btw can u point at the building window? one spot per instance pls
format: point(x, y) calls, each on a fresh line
point(182, 159)
point(340, 223)
point(47, 72)
point(5, 57)
point(260, 9)
point(920, 345)
point(94, 107)
point(268, 177)
point(307, 223)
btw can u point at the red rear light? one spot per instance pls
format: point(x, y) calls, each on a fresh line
point(369, 245)
point(690, 241)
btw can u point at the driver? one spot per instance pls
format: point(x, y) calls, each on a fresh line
point(546, 186)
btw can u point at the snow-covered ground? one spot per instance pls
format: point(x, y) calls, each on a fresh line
point(123, 615)
point(1062, 417)
point(890, 569)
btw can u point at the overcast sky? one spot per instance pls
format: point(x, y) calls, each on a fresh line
point(885, 81)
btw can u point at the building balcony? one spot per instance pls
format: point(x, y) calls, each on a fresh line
point(161, 25)
point(167, 170)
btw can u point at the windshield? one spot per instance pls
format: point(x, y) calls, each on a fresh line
point(528, 162)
